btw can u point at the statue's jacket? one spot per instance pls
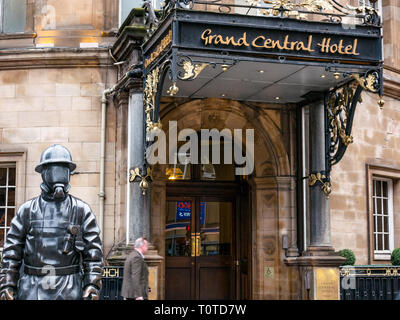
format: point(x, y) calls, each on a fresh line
point(56, 264)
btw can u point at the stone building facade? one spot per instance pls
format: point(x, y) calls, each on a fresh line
point(373, 154)
point(53, 74)
point(51, 87)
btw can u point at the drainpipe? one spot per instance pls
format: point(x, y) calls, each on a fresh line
point(303, 174)
point(102, 157)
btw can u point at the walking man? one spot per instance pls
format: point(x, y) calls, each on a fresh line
point(135, 285)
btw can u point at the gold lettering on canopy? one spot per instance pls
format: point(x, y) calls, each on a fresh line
point(327, 45)
point(160, 48)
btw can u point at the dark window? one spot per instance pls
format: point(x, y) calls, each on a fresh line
point(7, 199)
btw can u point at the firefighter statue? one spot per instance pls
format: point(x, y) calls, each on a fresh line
point(54, 241)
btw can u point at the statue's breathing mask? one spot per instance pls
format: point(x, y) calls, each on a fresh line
point(56, 179)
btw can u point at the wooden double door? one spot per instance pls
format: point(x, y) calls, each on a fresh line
point(201, 250)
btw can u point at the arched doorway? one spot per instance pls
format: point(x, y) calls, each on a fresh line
point(204, 250)
point(258, 204)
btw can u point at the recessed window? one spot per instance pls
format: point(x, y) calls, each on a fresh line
point(7, 199)
point(12, 16)
point(382, 202)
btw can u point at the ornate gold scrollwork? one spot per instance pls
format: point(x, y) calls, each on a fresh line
point(338, 113)
point(291, 9)
point(144, 184)
point(192, 70)
point(391, 272)
point(150, 92)
point(313, 178)
point(370, 82)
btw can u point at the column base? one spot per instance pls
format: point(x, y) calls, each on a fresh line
point(319, 273)
point(118, 256)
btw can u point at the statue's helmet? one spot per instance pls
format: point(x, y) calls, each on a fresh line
point(55, 154)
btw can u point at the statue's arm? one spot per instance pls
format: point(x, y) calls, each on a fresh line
point(13, 251)
point(92, 255)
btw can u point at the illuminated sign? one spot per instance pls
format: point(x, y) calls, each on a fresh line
point(326, 45)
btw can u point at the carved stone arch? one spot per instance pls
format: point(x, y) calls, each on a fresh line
point(218, 113)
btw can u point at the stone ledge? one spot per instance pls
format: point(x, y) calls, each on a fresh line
point(30, 58)
point(317, 257)
point(19, 35)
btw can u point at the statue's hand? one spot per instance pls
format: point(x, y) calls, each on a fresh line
point(7, 294)
point(91, 293)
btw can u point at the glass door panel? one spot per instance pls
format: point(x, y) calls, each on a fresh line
point(178, 228)
point(215, 228)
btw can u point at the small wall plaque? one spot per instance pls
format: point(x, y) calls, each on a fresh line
point(269, 272)
point(326, 284)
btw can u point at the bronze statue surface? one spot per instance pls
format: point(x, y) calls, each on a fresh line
point(53, 240)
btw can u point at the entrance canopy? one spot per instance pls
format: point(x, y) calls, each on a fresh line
point(278, 54)
point(253, 58)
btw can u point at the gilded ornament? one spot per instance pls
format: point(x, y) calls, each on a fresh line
point(173, 90)
point(319, 177)
point(144, 184)
point(150, 92)
point(367, 83)
point(381, 102)
point(338, 113)
point(192, 71)
point(288, 8)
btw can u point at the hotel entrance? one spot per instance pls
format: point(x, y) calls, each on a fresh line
point(207, 235)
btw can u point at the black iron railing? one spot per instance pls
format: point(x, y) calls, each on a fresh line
point(374, 282)
point(377, 282)
point(112, 283)
point(335, 11)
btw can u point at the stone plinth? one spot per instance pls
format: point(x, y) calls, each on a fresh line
point(319, 273)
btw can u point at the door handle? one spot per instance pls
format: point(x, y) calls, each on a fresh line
point(196, 244)
point(193, 248)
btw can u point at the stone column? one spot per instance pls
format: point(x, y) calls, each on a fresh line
point(318, 266)
point(139, 205)
point(319, 202)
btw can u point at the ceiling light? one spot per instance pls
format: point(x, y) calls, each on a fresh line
point(336, 75)
point(323, 76)
point(261, 71)
point(277, 98)
point(224, 67)
point(223, 95)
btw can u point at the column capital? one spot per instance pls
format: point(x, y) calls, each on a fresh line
point(121, 98)
point(134, 85)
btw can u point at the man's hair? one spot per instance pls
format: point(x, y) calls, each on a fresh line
point(139, 242)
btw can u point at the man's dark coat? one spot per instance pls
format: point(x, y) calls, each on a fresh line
point(135, 283)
